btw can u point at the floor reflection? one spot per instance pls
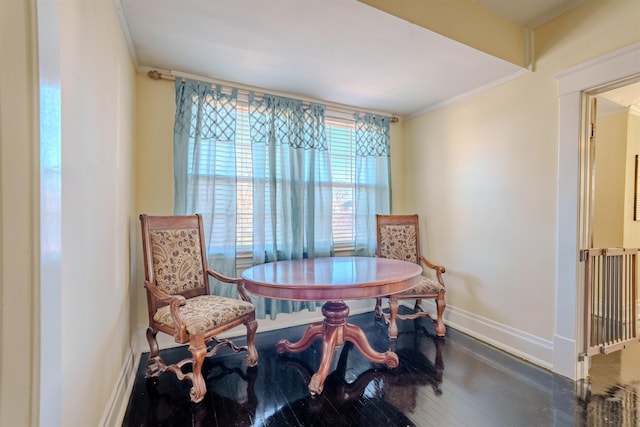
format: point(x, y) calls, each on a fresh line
point(618, 407)
point(482, 386)
point(275, 393)
point(610, 396)
point(230, 400)
point(388, 393)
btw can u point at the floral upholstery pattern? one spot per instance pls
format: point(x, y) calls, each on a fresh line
point(398, 242)
point(426, 286)
point(206, 312)
point(177, 262)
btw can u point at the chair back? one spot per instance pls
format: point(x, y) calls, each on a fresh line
point(398, 237)
point(174, 256)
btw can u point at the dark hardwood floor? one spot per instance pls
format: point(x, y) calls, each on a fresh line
point(456, 381)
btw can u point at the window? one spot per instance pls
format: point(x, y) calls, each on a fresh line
point(340, 136)
point(340, 132)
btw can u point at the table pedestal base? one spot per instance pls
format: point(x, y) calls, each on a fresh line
point(334, 331)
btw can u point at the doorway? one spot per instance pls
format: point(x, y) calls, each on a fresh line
point(573, 199)
point(613, 227)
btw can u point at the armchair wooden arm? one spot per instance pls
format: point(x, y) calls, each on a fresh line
point(439, 269)
point(175, 302)
point(239, 282)
point(161, 296)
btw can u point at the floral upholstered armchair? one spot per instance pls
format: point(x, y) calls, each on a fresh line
point(179, 300)
point(398, 237)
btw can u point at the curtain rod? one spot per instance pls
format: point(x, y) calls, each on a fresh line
point(173, 75)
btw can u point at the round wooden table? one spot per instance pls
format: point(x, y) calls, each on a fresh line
point(333, 280)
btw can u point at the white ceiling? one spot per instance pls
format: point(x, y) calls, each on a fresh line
point(336, 51)
point(619, 99)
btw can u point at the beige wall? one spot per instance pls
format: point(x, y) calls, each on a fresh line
point(97, 93)
point(483, 175)
point(155, 110)
point(631, 226)
point(618, 142)
point(19, 333)
point(475, 25)
point(610, 175)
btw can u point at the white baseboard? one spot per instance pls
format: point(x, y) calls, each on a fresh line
point(521, 344)
point(564, 358)
point(117, 405)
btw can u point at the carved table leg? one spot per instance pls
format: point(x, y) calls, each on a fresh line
point(334, 331)
point(312, 332)
point(329, 342)
point(359, 339)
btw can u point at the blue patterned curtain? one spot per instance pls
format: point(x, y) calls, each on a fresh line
point(205, 169)
point(372, 178)
point(291, 179)
point(292, 194)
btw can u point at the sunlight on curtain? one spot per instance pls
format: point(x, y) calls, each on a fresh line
point(259, 170)
point(372, 179)
point(205, 169)
point(292, 194)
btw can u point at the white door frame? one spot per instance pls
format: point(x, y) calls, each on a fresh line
point(573, 82)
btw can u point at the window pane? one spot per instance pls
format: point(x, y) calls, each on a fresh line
point(342, 154)
point(244, 227)
point(215, 157)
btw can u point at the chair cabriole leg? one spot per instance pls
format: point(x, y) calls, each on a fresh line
point(441, 305)
point(198, 350)
point(252, 353)
point(379, 313)
point(153, 363)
